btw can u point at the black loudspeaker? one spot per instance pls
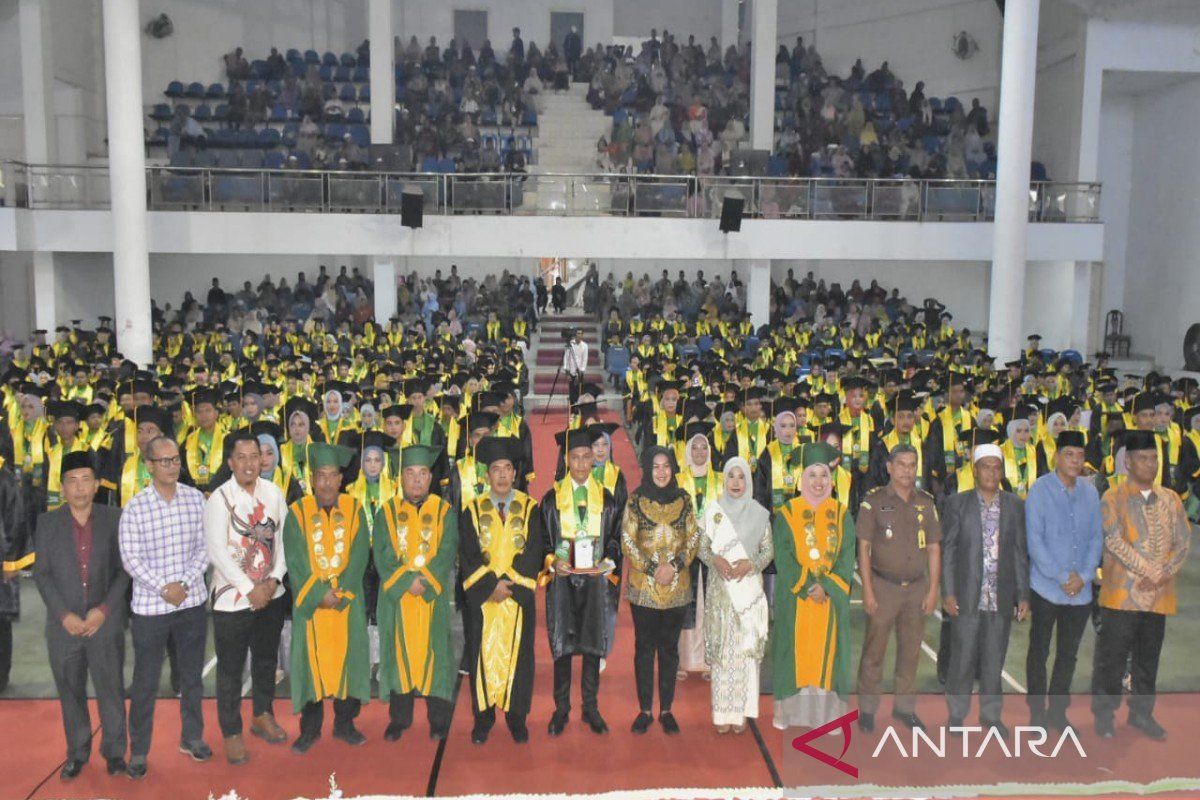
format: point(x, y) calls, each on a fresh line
point(731, 214)
point(412, 209)
point(1191, 348)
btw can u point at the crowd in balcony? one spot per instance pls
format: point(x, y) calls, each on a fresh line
point(684, 108)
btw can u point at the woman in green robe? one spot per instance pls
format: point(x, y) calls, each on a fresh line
point(814, 556)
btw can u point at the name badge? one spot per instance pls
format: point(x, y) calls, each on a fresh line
point(583, 555)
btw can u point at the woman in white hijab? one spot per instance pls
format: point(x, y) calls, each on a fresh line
point(736, 545)
point(703, 485)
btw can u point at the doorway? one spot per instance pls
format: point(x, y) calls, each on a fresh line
point(560, 25)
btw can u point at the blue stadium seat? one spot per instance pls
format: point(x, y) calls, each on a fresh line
point(1074, 356)
point(616, 363)
point(326, 73)
point(202, 113)
point(273, 160)
point(252, 86)
point(303, 160)
point(291, 132)
point(159, 137)
point(348, 60)
point(355, 116)
point(361, 74)
point(312, 57)
point(160, 112)
point(184, 106)
point(220, 113)
point(280, 113)
point(329, 59)
point(293, 55)
point(342, 74)
point(194, 89)
point(215, 90)
point(430, 164)
point(174, 89)
point(364, 93)
point(348, 94)
point(360, 135)
point(268, 138)
point(951, 104)
point(935, 104)
point(334, 131)
point(529, 118)
point(1047, 354)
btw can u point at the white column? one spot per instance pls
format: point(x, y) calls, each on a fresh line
point(762, 73)
point(1014, 145)
point(37, 93)
point(41, 270)
point(756, 273)
point(384, 269)
point(127, 177)
point(383, 71)
point(729, 24)
point(1081, 308)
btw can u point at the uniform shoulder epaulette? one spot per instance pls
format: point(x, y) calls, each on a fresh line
point(864, 502)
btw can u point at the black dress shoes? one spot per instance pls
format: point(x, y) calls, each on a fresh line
point(71, 769)
point(115, 766)
point(304, 743)
point(642, 723)
point(911, 720)
point(669, 725)
point(866, 722)
point(592, 717)
point(349, 734)
point(557, 723)
point(393, 732)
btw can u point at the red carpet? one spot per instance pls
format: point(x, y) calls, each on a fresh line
point(578, 762)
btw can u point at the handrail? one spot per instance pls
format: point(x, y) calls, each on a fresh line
point(220, 188)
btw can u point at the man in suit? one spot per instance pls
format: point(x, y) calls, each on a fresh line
point(986, 573)
point(79, 575)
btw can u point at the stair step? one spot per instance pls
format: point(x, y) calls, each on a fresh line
point(550, 357)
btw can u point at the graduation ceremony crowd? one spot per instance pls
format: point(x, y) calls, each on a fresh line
point(353, 508)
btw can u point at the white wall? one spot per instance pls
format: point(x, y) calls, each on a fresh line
point(680, 17)
point(424, 19)
point(204, 31)
point(1162, 274)
point(1116, 173)
point(16, 304)
point(914, 36)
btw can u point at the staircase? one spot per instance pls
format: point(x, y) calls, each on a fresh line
point(547, 358)
point(568, 129)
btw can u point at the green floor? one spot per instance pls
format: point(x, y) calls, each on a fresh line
point(1177, 671)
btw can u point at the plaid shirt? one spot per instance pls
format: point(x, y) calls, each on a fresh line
point(163, 542)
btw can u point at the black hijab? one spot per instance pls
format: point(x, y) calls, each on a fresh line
point(648, 488)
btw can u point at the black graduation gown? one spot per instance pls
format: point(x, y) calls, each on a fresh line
point(581, 610)
point(527, 563)
point(16, 540)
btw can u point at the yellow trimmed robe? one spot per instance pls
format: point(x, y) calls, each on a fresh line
point(812, 640)
point(500, 635)
point(328, 550)
point(414, 630)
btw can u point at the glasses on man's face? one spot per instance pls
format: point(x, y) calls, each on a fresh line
point(166, 461)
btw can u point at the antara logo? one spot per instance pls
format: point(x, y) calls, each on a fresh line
point(1025, 738)
point(843, 722)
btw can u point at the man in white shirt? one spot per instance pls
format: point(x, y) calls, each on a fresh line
point(575, 359)
point(243, 532)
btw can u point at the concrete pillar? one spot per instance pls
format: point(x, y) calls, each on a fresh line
point(730, 29)
point(127, 177)
point(41, 271)
point(383, 71)
point(37, 93)
point(1081, 307)
point(384, 275)
point(756, 273)
point(1014, 145)
point(762, 73)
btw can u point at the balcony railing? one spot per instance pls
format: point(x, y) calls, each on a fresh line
point(38, 186)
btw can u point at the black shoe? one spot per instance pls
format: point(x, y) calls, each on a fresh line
point(557, 722)
point(866, 722)
point(911, 719)
point(437, 734)
point(70, 770)
point(1038, 718)
point(115, 766)
point(304, 743)
point(669, 725)
point(520, 733)
point(1147, 725)
point(1104, 728)
point(642, 723)
point(198, 751)
point(952, 724)
point(594, 721)
point(1056, 720)
point(999, 727)
point(394, 731)
point(479, 734)
point(349, 734)
point(136, 769)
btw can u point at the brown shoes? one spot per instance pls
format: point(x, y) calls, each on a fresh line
point(235, 749)
point(266, 728)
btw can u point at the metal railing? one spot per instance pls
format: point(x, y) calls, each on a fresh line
point(38, 186)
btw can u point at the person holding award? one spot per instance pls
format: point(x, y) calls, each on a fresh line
point(583, 567)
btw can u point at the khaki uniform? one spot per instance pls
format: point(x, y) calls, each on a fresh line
point(899, 533)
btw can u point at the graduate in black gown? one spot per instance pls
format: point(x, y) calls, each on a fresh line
point(583, 563)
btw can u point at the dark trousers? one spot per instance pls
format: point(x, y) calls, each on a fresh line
point(6, 651)
point(313, 715)
point(437, 711)
point(1071, 621)
point(656, 633)
point(978, 643)
point(574, 384)
point(1133, 639)
point(72, 659)
point(235, 632)
point(589, 682)
point(189, 630)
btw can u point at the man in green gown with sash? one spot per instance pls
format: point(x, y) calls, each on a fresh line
point(416, 540)
point(327, 542)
